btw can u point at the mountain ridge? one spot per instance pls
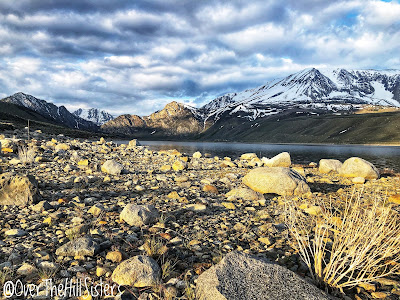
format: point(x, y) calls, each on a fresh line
point(330, 89)
point(58, 114)
point(174, 119)
point(307, 92)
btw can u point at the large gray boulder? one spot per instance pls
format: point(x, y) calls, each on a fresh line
point(280, 160)
point(329, 165)
point(18, 190)
point(277, 180)
point(138, 271)
point(112, 167)
point(139, 215)
point(241, 277)
point(358, 167)
point(83, 246)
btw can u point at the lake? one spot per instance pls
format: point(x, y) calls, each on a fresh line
point(380, 156)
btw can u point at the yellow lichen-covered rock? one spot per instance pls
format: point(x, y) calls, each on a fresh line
point(62, 147)
point(179, 165)
point(229, 205)
point(83, 162)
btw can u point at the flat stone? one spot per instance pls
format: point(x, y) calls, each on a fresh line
point(15, 232)
point(83, 246)
point(196, 207)
point(245, 194)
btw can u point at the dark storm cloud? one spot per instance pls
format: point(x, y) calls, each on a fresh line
point(135, 56)
point(23, 7)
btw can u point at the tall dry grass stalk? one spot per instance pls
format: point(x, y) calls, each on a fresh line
point(344, 246)
point(26, 154)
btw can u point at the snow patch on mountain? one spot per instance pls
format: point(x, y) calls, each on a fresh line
point(94, 115)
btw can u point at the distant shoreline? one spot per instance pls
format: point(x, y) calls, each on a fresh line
point(261, 143)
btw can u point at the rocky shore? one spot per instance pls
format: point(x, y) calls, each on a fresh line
point(165, 225)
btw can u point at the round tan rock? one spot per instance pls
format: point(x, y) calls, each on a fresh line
point(277, 180)
point(280, 160)
point(358, 167)
point(329, 165)
point(138, 271)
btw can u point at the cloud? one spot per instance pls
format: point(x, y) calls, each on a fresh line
point(136, 56)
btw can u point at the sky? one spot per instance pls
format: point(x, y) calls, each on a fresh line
point(134, 57)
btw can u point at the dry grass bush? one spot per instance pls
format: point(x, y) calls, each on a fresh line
point(155, 247)
point(357, 241)
point(26, 154)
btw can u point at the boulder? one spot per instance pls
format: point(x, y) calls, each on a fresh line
point(245, 194)
point(138, 271)
point(241, 277)
point(280, 160)
point(197, 155)
point(18, 190)
point(358, 167)
point(277, 180)
point(139, 215)
point(248, 156)
point(133, 143)
point(83, 246)
point(112, 167)
point(329, 165)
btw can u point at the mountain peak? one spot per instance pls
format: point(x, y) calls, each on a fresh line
point(94, 115)
point(50, 111)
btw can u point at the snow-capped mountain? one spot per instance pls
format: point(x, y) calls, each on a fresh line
point(308, 92)
point(326, 89)
point(94, 115)
point(58, 114)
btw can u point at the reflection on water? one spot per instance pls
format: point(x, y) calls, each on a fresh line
point(380, 156)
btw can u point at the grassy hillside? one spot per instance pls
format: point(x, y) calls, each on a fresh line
point(344, 129)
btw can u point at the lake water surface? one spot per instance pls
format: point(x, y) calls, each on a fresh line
point(380, 156)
